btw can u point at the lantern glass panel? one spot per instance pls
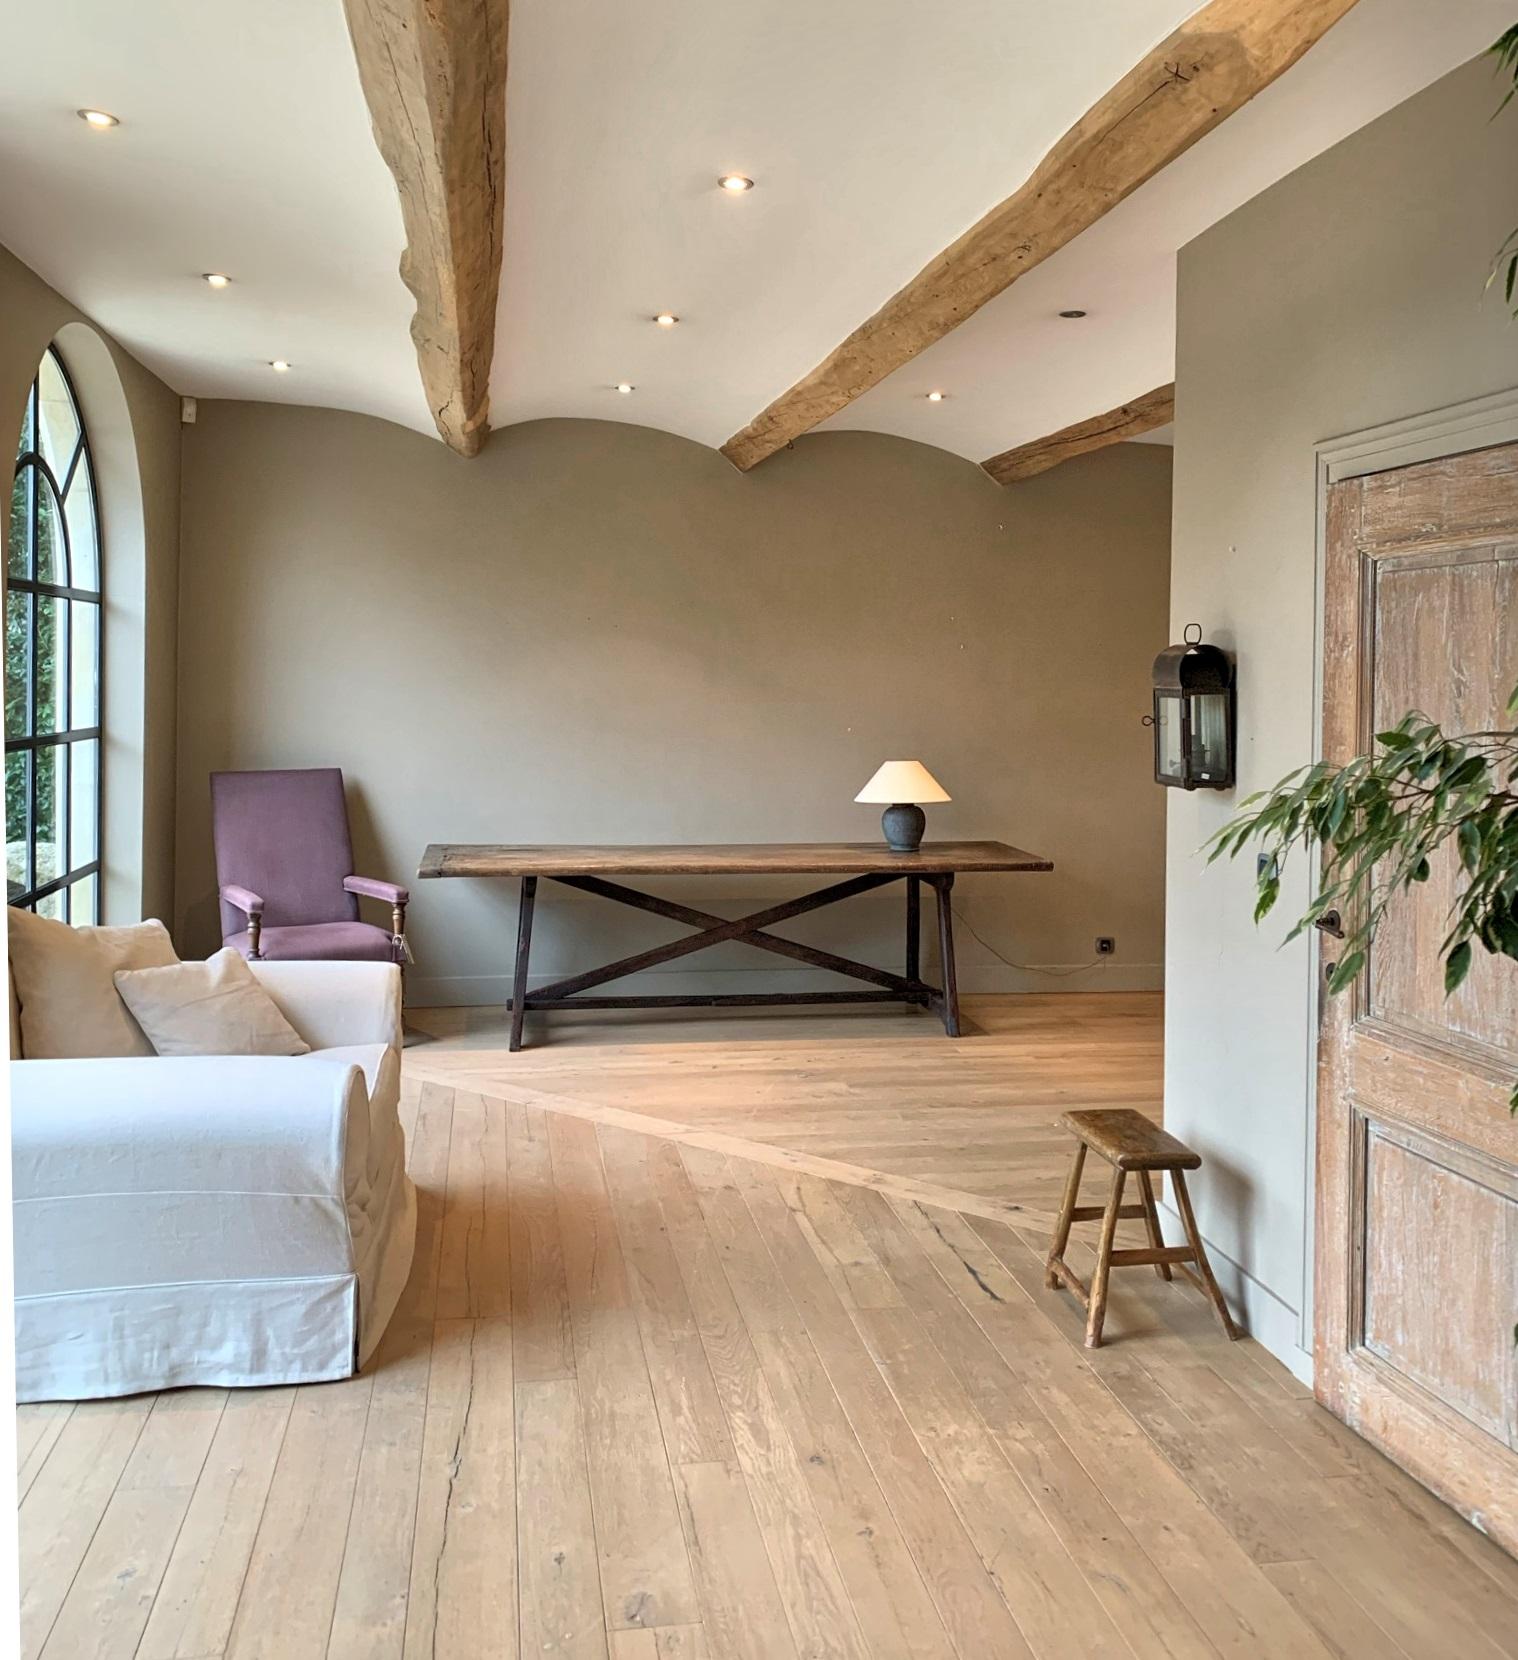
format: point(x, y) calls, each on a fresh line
point(1167, 737)
point(1210, 761)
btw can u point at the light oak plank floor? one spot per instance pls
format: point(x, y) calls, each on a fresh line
point(730, 1340)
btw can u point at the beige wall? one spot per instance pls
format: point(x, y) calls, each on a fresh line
point(598, 632)
point(1348, 295)
point(133, 420)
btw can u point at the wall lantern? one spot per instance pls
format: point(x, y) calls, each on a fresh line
point(1193, 717)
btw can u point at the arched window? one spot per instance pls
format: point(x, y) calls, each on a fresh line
point(52, 660)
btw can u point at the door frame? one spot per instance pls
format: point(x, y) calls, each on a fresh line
point(1455, 429)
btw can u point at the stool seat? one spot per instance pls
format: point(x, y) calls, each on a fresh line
point(1136, 1145)
point(1130, 1141)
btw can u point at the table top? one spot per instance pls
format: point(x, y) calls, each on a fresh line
point(725, 859)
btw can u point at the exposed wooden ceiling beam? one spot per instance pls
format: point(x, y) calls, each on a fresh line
point(1128, 420)
point(1211, 66)
point(434, 75)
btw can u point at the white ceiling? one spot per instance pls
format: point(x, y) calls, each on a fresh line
point(244, 147)
point(1017, 371)
point(874, 141)
point(875, 132)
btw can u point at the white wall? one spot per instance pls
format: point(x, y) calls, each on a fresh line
point(1348, 295)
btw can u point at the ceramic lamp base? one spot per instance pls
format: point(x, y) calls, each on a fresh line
point(903, 824)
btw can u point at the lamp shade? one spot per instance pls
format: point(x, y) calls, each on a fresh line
point(903, 781)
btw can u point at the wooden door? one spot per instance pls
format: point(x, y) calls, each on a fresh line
point(1417, 1219)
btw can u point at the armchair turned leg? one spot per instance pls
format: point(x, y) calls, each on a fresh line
point(399, 950)
point(255, 932)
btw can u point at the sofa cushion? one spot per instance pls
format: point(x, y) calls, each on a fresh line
point(212, 1008)
point(70, 1008)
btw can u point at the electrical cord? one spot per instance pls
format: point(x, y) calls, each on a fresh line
point(1027, 968)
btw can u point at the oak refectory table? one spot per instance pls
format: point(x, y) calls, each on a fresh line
point(862, 865)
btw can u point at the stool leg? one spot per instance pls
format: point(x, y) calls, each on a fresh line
point(1152, 1222)
point(1062, 1223)
point(1203, 1267)
point(1097, 1312)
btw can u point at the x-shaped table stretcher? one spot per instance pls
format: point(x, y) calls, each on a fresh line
point(908, 987)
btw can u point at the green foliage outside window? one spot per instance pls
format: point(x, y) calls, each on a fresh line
point(53, 621)
point(17, 660)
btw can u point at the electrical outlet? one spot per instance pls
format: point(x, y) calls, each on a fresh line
point(1106, 946)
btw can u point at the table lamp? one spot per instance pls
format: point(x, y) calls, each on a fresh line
point(901, 785)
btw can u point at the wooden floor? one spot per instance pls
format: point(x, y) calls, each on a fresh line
point(725, 1341)
point(874, 1090)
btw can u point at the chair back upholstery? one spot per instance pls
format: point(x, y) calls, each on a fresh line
point(284, 834)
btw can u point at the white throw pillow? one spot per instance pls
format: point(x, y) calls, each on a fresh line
point(70, 1009)
point(212, 1008)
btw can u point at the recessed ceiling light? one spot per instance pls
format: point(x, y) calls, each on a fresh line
point(99, 119)
point(216, 279)
point(736, 183)
point(666, 319)
point(624, 387)
point(937, 397)
point(1072, 314)
point(279, 366)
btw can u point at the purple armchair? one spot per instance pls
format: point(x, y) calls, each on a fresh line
point(284, 867)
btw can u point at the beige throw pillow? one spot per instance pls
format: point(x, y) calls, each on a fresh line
point(70, 1009)
point(212, 1008)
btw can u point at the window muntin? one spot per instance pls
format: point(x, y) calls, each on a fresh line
point(53, 630)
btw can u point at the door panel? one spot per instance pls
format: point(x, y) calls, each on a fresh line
point(1443, 638)
point(1431, 1216)
point(1417, 1213)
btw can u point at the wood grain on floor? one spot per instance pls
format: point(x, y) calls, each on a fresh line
point(700, 1358)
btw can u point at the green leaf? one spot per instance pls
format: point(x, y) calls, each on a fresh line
point(1499, 928)
point(1470, 844)
point(1456, 966)
point(1466, 773)
point(1395, 739)
point(1345, 971)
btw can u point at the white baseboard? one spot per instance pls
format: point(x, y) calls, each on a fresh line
point(442, 991)
point(1275, 1325)
point(1104, 976)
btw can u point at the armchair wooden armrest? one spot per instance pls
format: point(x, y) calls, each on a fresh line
point(370, 887)
point(252, 906)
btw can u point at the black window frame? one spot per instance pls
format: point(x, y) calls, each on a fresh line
point(29, 894)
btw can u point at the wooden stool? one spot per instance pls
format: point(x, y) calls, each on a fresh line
point(1129, 1141)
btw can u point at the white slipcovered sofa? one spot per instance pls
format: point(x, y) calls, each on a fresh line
point(227, 1220)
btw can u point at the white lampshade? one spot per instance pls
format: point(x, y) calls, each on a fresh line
point(903, 781)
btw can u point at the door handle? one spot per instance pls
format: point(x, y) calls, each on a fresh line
point(1330, 923)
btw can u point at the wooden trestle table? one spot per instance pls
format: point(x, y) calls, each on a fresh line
point(863, 865)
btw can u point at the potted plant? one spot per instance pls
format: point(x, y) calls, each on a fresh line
point(1380, 822)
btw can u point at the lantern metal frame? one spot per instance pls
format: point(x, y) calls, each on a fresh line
point(1182, 675)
